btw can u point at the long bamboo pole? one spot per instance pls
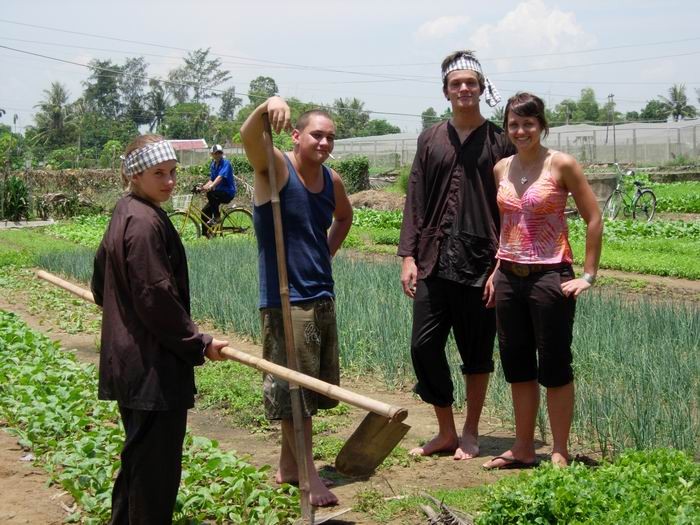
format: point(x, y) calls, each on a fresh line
point(392, 412)
point(307, 511)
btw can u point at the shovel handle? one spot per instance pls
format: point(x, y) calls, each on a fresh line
point(333, 391)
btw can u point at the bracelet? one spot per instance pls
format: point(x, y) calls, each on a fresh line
point(590, 279)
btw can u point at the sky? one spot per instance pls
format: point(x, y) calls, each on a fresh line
point(387, 53)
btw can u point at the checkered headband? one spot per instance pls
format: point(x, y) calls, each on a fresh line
point(146, 157)
point(468, 62)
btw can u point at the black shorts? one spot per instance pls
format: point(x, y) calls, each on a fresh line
point(535, 324)
point(441, 305)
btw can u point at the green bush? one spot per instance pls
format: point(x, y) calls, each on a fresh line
point(15, 199)
point(354, 171)
point(657, 486)
point(109, 158)
point(240, 164)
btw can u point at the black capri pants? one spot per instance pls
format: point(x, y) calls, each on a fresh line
point(535, 324)
point(438, 306)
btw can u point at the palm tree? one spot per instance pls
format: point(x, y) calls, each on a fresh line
point(677, 103)
point(156, 104)
point(52, 118)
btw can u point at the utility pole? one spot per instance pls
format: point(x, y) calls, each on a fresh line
point(611, 113)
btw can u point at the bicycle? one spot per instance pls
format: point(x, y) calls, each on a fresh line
point(640, 206)
point(187, 218)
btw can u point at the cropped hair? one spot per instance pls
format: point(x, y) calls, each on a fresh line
point(526, 105)
point(303, 119)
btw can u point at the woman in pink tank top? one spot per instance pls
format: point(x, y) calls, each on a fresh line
point(533, 286)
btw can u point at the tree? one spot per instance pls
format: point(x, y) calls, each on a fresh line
point(632, 116)
point(2, 112)
point(498, 114)
point(378, 127)
point(156, 105)
point(102, 88)
point(565, 111)
point(350, 117)
point(131, 85)
point(655, 110)
point(52, 119)
point(428, 118)
point(200, 74)
point(188, 120)
point(229, 103)
point(260, 89)
point(677, 103)
point(587, 106)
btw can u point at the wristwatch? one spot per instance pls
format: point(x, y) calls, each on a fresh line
point(590, 279)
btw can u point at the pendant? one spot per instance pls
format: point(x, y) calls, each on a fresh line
point(523, 180)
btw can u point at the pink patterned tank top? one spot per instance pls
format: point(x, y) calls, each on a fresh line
point(533, 226)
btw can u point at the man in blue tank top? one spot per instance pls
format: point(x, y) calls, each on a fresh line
point(317, 215)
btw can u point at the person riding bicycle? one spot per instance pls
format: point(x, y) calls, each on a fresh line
point(221, 186)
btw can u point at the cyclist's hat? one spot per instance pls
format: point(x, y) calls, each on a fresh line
point(217, 148)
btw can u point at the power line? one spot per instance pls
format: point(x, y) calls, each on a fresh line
point(386, 77)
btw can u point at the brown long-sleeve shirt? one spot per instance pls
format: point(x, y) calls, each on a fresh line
point(451, 221)
point(149, 343)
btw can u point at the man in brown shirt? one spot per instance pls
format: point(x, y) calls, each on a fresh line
point(448, 243)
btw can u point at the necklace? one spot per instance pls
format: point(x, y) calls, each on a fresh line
point(526, 172)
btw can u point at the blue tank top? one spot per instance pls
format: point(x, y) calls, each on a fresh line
point(306, 218)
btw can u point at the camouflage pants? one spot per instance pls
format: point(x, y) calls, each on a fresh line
point(316, 347)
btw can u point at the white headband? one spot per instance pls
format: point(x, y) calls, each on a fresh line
point(472, 64)
point(146, 157)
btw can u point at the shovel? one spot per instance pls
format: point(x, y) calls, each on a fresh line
point(373, 440)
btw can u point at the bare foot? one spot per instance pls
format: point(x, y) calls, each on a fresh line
point(435, 445)
point(508, 461)
point(294, 481)
point(288, 471)
point(468, 447)
point(560, 460)
point(319, 495)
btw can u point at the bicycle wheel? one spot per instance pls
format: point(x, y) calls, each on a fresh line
point(237, 220)
point(644, 206)
point(187, 227)
point(612, 206)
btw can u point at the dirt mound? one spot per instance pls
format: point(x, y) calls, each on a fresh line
point(377, 200)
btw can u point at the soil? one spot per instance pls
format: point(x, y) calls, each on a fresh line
point(377, 200)
point(26, 498)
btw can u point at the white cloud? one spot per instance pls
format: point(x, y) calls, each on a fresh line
point(441, 27)
point(531, 28)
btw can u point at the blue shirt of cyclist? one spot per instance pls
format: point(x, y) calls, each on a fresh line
point(224, 169)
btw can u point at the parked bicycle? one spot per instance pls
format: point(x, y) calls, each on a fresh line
point(191, 222)
point(640, 205)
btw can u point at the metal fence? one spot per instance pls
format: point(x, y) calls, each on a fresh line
point(637, 143)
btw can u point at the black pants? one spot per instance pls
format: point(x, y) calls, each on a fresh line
point(146, 487)
point(535, 326)
point(441, 305)
point(215, 199)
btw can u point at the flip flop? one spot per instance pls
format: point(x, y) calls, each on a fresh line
point(512, 463)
